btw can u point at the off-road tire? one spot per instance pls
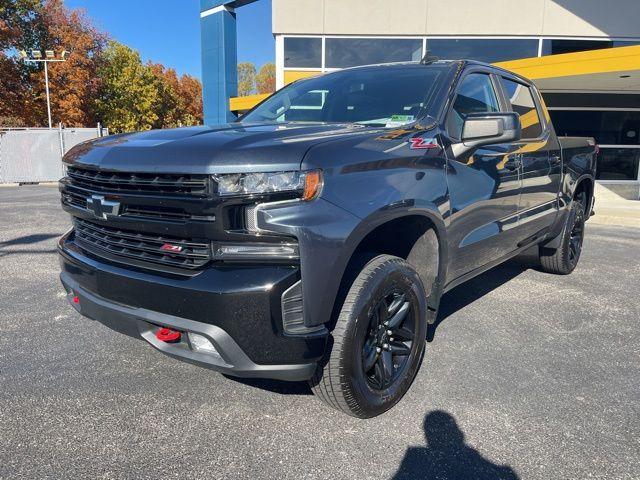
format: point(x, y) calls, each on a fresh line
point(340, 380)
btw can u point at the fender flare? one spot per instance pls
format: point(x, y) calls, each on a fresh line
point(395, 211)
point(558, 228)
point(580, 179)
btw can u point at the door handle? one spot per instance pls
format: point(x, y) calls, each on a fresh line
point(512, 164)
point(555, 159)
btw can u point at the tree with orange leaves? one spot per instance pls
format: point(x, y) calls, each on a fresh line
point(96, 83)
point(266, 79)
point(19, 25)
point(74, 83)
point(191, 91)
point(48, 25)
point(180, 98)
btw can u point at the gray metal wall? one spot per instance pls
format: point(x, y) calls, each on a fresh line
point(34, 155)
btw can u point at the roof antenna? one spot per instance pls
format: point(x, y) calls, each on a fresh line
point(429, 58)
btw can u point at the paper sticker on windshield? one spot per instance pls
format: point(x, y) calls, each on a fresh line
point(399, 120)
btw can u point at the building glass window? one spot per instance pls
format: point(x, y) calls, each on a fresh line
point(559, 46)
point(522, 103)
point(300, 52)
point(482, 49)
point(624, 43)
point(618, 164)
point(619, 129)
point(475, 95)
point(607, 127)
point(351, 52)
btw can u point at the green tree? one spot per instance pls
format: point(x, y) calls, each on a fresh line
point(266, 79)
point(129, 95)
point(169, 104)
point(246, 79)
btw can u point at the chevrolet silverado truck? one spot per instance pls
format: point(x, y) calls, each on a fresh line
point(314, 238)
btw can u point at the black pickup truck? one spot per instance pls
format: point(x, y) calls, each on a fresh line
point(313, 239)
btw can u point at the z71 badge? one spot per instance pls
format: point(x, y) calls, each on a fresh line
point(419, 143)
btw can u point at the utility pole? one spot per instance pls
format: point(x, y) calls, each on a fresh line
point(49, 56)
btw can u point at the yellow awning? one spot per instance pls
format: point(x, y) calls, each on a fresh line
point(609, 69)
point(238, 104)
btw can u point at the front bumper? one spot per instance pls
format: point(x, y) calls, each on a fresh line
point(236, 308)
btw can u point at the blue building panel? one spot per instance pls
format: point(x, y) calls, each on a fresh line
point(219, 58)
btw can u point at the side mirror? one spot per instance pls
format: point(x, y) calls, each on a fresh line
point(487, 128)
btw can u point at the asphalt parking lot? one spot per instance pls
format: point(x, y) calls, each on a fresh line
point(527, 375)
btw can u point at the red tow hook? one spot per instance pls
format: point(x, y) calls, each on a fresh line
point(168, 335)
point(74, 299)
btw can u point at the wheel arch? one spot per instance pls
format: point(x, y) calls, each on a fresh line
point(585, 184)
point(411, 234)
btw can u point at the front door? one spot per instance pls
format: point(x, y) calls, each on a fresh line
point(484, 185)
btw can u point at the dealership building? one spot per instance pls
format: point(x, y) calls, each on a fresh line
point(584, 55)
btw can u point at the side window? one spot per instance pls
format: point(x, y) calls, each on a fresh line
point(522, 103)
point(475, 95)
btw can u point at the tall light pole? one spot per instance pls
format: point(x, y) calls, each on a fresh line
point(49, 56)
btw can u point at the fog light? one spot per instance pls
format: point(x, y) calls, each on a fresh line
point(201, 344)
point(256, 250)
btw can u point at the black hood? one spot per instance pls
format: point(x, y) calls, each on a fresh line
point(219, 149)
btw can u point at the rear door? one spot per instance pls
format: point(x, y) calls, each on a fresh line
point(539, 155)
point(484, 184)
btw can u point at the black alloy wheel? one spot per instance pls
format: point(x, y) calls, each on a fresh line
point(392, 325)
point(575, 239)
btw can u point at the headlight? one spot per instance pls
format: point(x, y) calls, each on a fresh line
point(308, 184)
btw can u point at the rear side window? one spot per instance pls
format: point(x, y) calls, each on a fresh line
point(475, 95)
point(522, 103)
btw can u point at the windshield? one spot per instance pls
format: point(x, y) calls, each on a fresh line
point(381, 96)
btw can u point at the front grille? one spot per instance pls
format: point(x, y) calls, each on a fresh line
point(164, 213)
point(139, 211)
point(75, 199)
point(144, 247)
point(138, 183)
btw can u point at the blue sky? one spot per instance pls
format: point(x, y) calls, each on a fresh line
point(168, 31)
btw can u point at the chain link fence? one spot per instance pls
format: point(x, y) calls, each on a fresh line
point(31, 155)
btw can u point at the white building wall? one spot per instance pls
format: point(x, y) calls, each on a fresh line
point(558, 18)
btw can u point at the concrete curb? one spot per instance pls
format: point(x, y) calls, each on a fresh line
point(612, 209)
point(614, 219)
point(40, 184)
